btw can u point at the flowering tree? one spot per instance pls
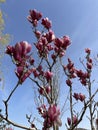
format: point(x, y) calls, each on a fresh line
point(51, 50)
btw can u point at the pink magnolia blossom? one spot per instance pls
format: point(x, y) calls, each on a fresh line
point(76, 96)
point(19, 71)
point(44, 90)
point(58, 42)
point(89, 65)
point(83, 76)
point(9, 50)
point(81, 97)
point(66, 42)
point(26, 75)
point(69, 82)
point(34, 17)
point(19, 51)
point(22, 74)
point(53, 56)
point(49, 47)
point(53, 113)
point(35, 72)
point(50, 36)
point(87, 50)
point(61, 45)
point(46, 23)
point(42, 47)
point(31, 60)
point(48, 75)
point(41, 91)
point(48, 89)
point(37, 34)
point(42, 110)
point(69, 121)
point(75, 120)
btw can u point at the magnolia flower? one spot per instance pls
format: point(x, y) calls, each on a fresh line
point(46, 23)
point(48, 75)
point(21, 74)
point(37, 34)
point(69, 82)
point(9, 50)
point(53, 113)
point(76, 96)
point(34, 17)
point(49, 36)
point(69, 121)
point(81, 97)
point(75, 120)
point(48, 89)
point(87, 50)
point(19, 51)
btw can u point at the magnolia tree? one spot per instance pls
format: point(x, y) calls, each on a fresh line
point(50, 51)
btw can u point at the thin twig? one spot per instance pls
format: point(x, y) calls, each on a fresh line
point(7, 100)
point(15, 124)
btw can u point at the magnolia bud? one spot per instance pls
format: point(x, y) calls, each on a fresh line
point(48, 89)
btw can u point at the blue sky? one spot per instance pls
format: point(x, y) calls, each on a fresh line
point(76, 18)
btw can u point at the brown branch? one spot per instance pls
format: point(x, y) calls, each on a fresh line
point(15, 124)
point(7, 100)
point(86, 105)
point(47, 96)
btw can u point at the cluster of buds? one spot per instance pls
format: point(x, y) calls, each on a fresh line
point(45, 39)
point(61, 45)
point(83, 77)
point(89, 63)
point(50, 115)
point(48, 75)
point(74, 122)
point(46, 23)
point(69, 70)
point(43, 47)
point(45, 90)
point(79, 96)
point(35, 16)
point(72, 72)
point(38, 72)
point(21, 58)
